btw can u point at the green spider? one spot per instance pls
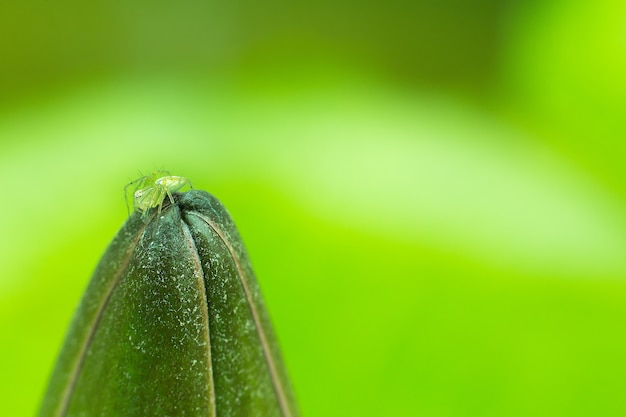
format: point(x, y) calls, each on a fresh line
point(150, 190)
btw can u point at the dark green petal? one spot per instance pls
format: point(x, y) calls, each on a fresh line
point(247, 366)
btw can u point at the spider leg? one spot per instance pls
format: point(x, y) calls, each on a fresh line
point(137, 183)
point(169, 194)
point(159, 196)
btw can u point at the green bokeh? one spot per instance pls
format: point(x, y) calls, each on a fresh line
point(431, 195)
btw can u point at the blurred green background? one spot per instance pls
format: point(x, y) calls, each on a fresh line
point(431, 192)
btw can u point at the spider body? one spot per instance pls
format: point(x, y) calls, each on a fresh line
point(151, 190)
